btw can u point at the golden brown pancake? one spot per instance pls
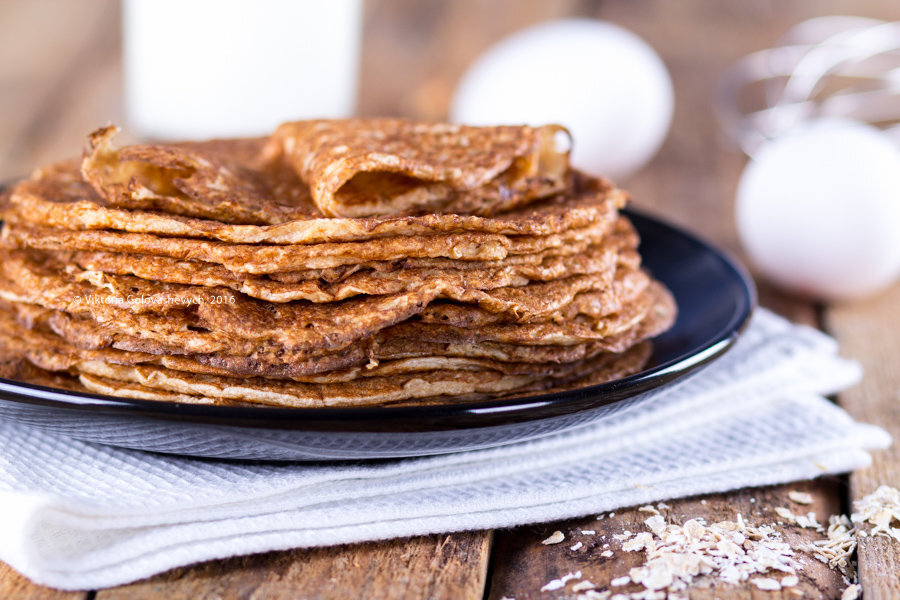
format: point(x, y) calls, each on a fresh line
point(334, 263)
point(113, 272)
point(445, 385)
point(264, 259)
point(56, 196)
point(202, 320)
point(181, 181)
point(389, 356)
point(366, 167)
point(16, 367)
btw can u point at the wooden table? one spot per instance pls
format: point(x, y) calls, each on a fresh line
point(59, 78)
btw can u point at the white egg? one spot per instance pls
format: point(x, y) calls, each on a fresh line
point(818, 210)
point(601, 81)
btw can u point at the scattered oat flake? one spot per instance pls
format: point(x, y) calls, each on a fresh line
point(730, 551)
point(663, 506)
point(800, 497)
point(555, 538)
point(838, 547)
point(583, 586)
point(807, 521)
point(588, 532)
point(784, 513)
point(737, 552)
point(558, 584)
point(656, 523)
point(874, 514)
point(577, 546)
point(766, 583)
point(638, 542)
point(881, 510)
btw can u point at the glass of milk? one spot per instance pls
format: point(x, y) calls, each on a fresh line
point(197, 69)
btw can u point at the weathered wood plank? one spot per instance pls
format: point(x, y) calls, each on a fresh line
point(692, 182)
point(450, 567)
point(62, 132)
point(13, 585)
point(415, 52)
point(522, 565)
point(47, 47)
point(869, 331)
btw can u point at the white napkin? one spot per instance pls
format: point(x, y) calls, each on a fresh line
point(80, 516)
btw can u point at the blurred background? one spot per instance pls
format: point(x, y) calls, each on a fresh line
point(61, 76)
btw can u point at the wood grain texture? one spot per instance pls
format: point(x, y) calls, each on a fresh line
point(14, 586)
point(439, 567)
point(59, 79)
point(691, 181)
point(522, 565)
point(416, 51)
point(869, 331)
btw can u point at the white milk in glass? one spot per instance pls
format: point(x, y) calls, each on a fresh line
point(197, 69)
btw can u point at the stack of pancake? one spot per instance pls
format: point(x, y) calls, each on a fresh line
point(333, 263)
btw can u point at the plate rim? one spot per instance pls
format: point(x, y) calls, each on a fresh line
point(253, 417)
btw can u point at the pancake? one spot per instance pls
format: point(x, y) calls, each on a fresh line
point(264, 259)
point(30, 277)
point(436, 385)
point(555, 304)
point(202, 320)
point(180, 181)
point(388, 356)
point(50, 352)
point(389, 385)
point(409, 339)
point(113, 272)
point(116, 271)
point(655, 310)
point(350, 168)
point(14, 366)
point(360, 262)
point(367, 167)
point(57, 197)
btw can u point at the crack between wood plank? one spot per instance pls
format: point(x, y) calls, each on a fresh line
point(489, 566)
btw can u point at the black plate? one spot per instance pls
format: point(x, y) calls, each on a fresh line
point(715, 298)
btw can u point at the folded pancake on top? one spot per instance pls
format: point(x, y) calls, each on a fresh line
point(351, 168)
point(374, 167)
